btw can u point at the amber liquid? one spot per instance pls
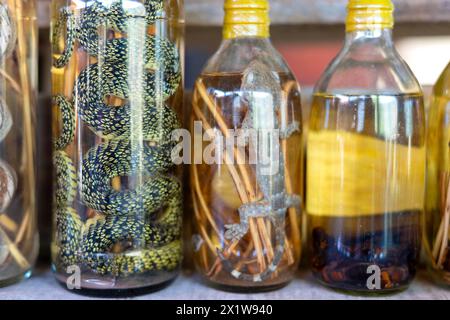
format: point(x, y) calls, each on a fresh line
point(344, 243)
point(217, 194)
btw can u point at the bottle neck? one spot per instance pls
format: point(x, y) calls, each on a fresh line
point(247, 43)
point(382, 37)
point(246, 19)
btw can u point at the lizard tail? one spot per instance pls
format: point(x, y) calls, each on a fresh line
point(259, 277)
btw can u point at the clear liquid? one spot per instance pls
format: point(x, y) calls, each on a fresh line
point(365, 182)
point(85, 139)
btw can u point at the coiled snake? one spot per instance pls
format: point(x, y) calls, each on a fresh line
point(146, 220)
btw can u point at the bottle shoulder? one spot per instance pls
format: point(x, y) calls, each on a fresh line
point(238, 74)
point(235, 55)
point(368, 68)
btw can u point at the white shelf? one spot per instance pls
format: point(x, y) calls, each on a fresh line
point(186, 287)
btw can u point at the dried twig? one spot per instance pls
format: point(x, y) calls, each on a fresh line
point(15, 251)
point(445, 221)
point(16, 87)
point(440, 245)
point(246, 191)
point(236, 178)
point(8, 223)
point(248, 195)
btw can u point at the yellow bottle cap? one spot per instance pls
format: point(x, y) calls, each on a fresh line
point(246, 18)
point(369, 15)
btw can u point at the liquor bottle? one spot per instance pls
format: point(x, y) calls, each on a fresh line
point(366, 160)
point(246, 176)
point(437, 206)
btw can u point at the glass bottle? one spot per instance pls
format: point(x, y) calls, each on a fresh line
point(19, 242)
point(246, 176)
point(437, 235)
point(366, 160)
point(117, 95)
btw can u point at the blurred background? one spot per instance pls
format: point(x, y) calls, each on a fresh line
point(308, 33)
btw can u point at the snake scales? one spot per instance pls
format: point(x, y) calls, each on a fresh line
point(144, 221)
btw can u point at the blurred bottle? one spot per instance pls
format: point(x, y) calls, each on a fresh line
point(437, 234)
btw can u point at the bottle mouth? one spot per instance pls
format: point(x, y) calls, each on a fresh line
point(245, 18)
point(369, 15)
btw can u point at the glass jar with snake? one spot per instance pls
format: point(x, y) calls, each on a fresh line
point(19, 240)
point(117, 97)
point(246, 178)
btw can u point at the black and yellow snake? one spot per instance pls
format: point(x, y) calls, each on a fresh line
point(145, 220)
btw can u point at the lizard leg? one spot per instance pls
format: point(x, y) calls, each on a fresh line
point(236, 231)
